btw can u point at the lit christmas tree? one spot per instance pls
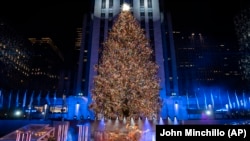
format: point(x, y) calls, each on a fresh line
point(126, 84)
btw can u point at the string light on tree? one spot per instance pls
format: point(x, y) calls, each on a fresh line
point(127, 84)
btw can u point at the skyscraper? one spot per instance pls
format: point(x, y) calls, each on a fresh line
point(148, 13)
point(242, 29)
point(155, 23)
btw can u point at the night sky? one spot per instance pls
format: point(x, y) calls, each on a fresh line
point(210, 17)
point(42, 19)
point(59, 20)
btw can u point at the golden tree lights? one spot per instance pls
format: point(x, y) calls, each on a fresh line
point(127, 84)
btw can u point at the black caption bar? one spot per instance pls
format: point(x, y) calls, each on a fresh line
point(222, 132)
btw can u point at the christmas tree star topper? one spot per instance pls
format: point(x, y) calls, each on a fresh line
point(125, 7)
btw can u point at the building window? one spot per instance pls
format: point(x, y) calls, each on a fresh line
point(102, 15)
point(142, 14)
point(110, 15)
point(110, 21)
point(101, 39)
point(149, 3)
point(142, 3)
point(150, 15)
point(102, 26)
point(143, 23)
point(130, 2)
point(111, 3)
point(151, 24)
point(103, 4)
point(121, 2)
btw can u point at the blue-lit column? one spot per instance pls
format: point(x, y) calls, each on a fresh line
point(94, 45)
point(158, 46)
point(159, 52)
point(174, 77)
point(80, 61)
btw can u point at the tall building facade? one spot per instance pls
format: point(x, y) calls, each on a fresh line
point(82, 48)
point(146, 11)
point(205, 64)
point(156, 24)
point(14, 59)
point(148, 14)
point(46, 63)
point(242, 28)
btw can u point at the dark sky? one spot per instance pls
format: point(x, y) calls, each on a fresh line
point(42, 18)
point(60, 19)
point(212, 17)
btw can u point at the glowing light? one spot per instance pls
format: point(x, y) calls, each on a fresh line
point(208, 112)
point(175, 121)
point(176, 106)
point(45, 107)
point(132, 122)
point(102, 124)
point(124, 120)
point(209, 106)
point(18, 113)
point(125, 7)
point(227, 107)
point(77, 108)
point(161, 121)
point(169, 121)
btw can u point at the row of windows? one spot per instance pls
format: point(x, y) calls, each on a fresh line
point(142, 3)
point(111, 4)
point(110, 16)
point(142, 14)
point(150, 15)
point(110, 20)
point(142, 22)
